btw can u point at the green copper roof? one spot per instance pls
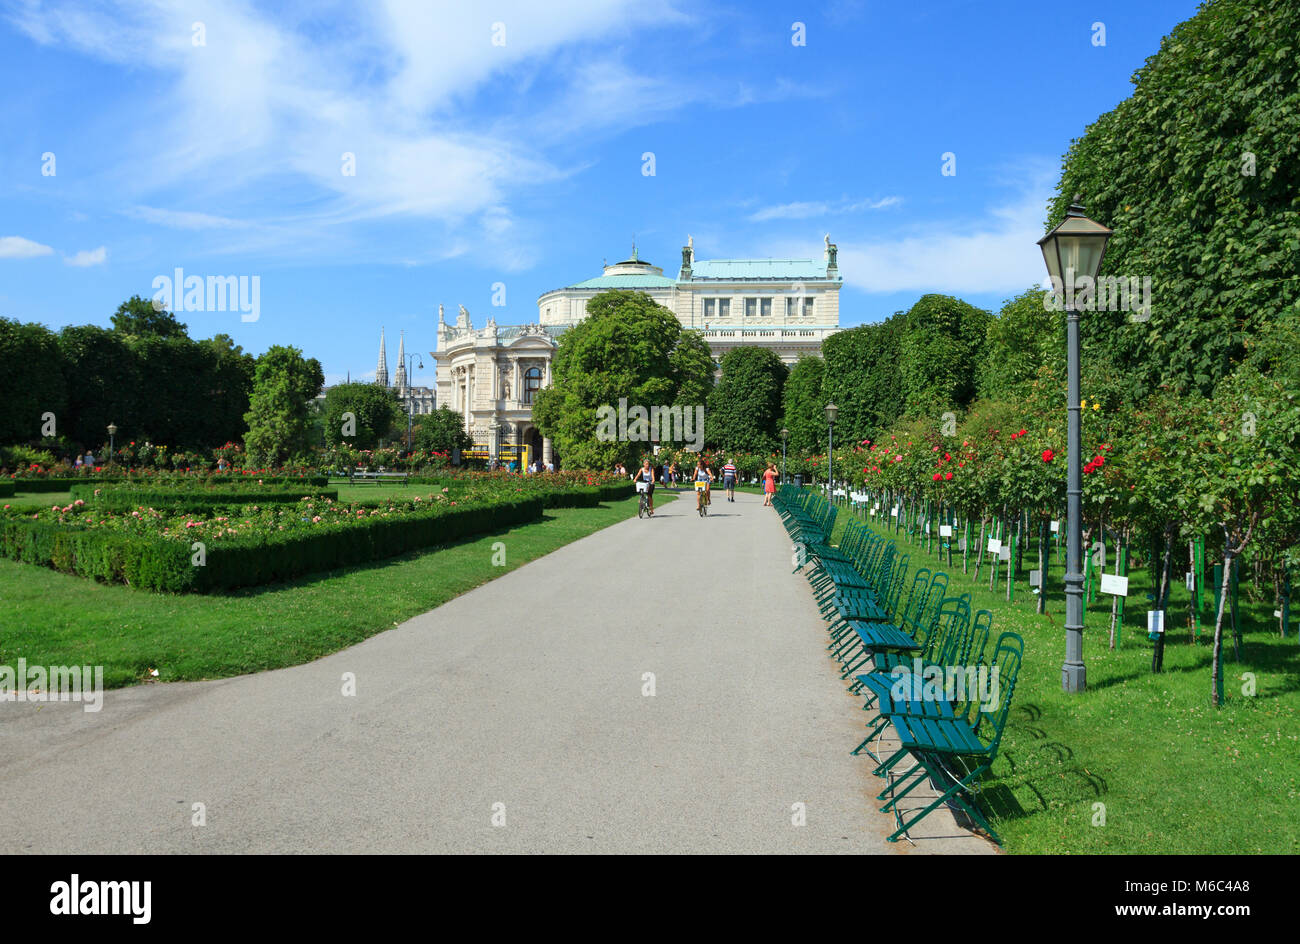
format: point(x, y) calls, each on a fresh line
point(627, 281)
point(758, 269)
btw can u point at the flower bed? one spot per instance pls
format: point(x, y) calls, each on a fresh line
point(161, 550)
point(194, 498)
point(61, 483)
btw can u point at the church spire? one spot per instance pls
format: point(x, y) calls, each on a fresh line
point(401, 380)
point(381, 373)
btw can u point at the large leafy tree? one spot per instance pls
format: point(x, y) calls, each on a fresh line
point(441, 431)
point(139, 318)
point(375, 410)
point(941, 346)
point(31, 382)
point(744, 410)
point(861, 377)
point(1024, 338)
point(278, 416)
point(103, 382)
point(1195, 172)
point(804, 405)
point(628, 348)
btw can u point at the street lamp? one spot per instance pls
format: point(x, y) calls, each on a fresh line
point(112, 431)
point(1073, 252)
point(785, 435)
point(832, 411)
point(410, 400)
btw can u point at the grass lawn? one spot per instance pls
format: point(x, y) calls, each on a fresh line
point(1174, 774)
point(51, 618)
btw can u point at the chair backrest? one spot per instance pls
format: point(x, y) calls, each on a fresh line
point(893, 591)
point(915, 598)
point(1002, 669)
point(942, 638)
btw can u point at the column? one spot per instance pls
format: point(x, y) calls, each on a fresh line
point(547, 455)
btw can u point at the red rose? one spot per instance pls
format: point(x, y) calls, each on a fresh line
point(1023, 433)
point(947, 476)
point(936, 476)
point(1048, 455)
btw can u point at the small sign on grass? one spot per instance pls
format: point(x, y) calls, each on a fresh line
point(1114, 584)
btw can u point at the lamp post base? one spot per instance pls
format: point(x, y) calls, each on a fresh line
point(1074, 678)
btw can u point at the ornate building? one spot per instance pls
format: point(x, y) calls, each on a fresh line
point(789, 305)
point(490, 375)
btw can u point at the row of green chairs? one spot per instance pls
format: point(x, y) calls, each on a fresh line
point(915, 655)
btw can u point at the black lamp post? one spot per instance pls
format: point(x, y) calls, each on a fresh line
point(785, 435)
point(112, 431)
point(1073, 253)
point(832, 411)
point(410, 401)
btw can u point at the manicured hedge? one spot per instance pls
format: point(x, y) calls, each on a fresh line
point(163, 565)
point(194, 501)
point(65, 483)
point(6, 488)
point(142, 562)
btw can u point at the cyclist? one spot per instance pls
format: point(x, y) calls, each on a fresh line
point(647, 475)
point(729, 480)
point(705, 475)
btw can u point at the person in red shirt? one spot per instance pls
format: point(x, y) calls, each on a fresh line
point(769, 483)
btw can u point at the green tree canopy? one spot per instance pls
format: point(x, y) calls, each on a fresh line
point(861, 378)
point(744, 410)
point(138, 317)
point(627, 348)
point(31, 383)
point(941, 347)
point(278, 416)
point(1195, 172)
point(375, 410)
point(441, 431)
point(804, 405)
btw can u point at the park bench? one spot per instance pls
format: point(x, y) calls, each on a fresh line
point(361, 477)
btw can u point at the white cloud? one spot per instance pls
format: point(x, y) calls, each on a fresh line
point(88, 257)
point(261, 115)
point(997, 252)
point(805, 210)
point(182, 219)
point(16, 247)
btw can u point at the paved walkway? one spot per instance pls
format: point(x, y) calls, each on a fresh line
point(527, 692)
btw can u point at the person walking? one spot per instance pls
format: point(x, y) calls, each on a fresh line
point(769, 483)
point(729, 480)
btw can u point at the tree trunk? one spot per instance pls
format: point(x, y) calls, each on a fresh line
point(1216, 660)
point(1043, 558)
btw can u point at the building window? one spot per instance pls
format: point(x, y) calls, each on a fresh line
point(765, 307)
point(532, 383)
point(791, 306)
point(807, 307)
point(710, 308)
point(724, 307)
point(751, 307)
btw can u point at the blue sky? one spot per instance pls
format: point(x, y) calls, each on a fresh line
point(519, 161)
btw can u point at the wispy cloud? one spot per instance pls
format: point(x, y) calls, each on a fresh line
point(16, 247)
point(805, 210)
point(277, 107)
point(88, 257)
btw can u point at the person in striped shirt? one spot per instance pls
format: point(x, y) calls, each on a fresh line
point(729, 480)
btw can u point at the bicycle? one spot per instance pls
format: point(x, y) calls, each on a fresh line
point(643, 488)
point(702, 498)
